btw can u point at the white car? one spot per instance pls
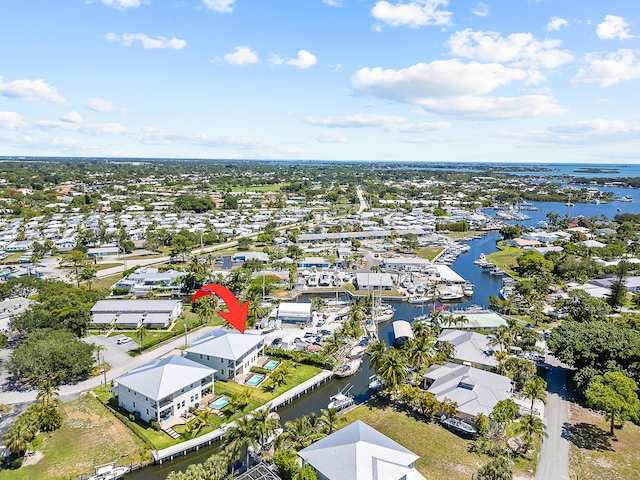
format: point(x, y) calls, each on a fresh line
point(123, 340)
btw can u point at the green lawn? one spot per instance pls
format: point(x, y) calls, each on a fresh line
point(104, 266)
point(106, 282)
point(90, 435)
point(443, 455)
point(506, 259)
point(151, 337)
point(428, 252)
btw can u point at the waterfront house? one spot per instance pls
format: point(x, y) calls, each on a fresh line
point(474, 390)
point(374, 281)
point(160, 389)
point(470, 348)
point(229, 352)
point(484, 320)
point(360, 452)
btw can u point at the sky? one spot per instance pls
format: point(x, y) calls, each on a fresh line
point(538, 81)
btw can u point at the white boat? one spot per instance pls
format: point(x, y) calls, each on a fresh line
point(108, 471)
point(458, 426)
point(450, 296)
point(421, 299)
point(383, 316)
point(348, 368)
point(468, 290)
point(569, 204)
point(357, 351)
point(626, 198)
point(342, 399)
point(375, 382)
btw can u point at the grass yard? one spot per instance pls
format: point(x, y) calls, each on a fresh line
point(260, 188)
point(506, 259)
point(90, 435)
point(104, 266)
point(151, 337)
point(593, 454)
point(106, 282)
point(428, 252)
point(443, 455)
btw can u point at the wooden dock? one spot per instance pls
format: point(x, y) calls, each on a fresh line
point(207, 439)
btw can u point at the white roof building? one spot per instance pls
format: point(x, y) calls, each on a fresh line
point(470, 348)
point(359, 452)
point(474, 390)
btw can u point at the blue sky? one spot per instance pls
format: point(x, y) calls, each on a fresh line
point(435, 80)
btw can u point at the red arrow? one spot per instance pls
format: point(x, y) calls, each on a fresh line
point(237, 314)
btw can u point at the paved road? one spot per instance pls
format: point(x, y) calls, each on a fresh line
point(363, 202)
point(553, 460)
point(120, 363)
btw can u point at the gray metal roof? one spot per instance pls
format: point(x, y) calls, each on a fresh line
point(130, 306)
point(474, 390)
point(359, 452)
point(226, 344)
point(374, 279)
point(470, 347)
point(161, 378)
point(259, 472)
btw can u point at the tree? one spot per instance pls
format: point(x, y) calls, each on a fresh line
point(497, 469)
point(529, 427)
point(618, 295)
point(535, 389)
point(510, 231)
point(582, 307)
point(393, 369)
point(47, 393)
point(55, 355)
point(88, 273)
point(504, 412)
point(329, 419)
point(77, 260)
point(409, 242)
point(616, 394)
point(230, 202)
point(532, 263)
point(181, 245)
point(265, 425)
point(142, 333)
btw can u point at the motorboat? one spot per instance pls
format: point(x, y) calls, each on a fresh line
point(420, 299)
point(458, 426)
point(357, 351)
point(375, 382)
point(450, 296)
point(383, 315)
point(108, 471)
point(626, 198)
point(348, 368)
point(342, 399)
point(468, 290)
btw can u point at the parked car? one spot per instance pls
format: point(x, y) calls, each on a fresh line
point(276, 341)
point(123, 340)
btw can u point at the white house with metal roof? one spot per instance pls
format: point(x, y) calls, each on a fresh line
point(482, 320)
point(360, 452)
point(133, 313)
point(163, 388)
point(228, 351)
point(374, 281)
point(470, 348)
point(474, 390)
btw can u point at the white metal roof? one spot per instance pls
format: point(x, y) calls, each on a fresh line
point(359, 452)
point(470, 346)
point(290, 309)
point(108, 306)
point(226, 344)
point(161, 378)
point(402, 329)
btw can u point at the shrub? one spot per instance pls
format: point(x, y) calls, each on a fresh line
point(155, 425)
point(260, 370)
point(132, 417)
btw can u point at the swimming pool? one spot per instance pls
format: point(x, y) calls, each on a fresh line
point(271, 364)
point(255, 380)
point(220, 403)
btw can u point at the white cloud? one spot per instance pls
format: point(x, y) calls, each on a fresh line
point(122, 4)
point(613, 28)
point(586, 132)
point(556, 23)
point(305, 60)
point(31, 90)
point(389, 123)
point(104, 129)
point(420, 127)
point(333, 3)
point(481, 10)
point(160, 42)
point(436, 79)
point(220, 6)
point(414, 14)
point(620, 66)
point(495, 108)
point(72, 117)
point(100, 105)
point(11, 121)
point(328, 137)
point(242, 56)
point(518, 49)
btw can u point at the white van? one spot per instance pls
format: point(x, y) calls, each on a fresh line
point(123, 340)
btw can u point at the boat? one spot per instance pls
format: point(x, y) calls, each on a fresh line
point(375, 382)
point(357, 351)
point(420, 299)
point(450, 296)
point(468, 290)
point(108, 471)
point(342, 399)
point(543, 224)
point(626, 198)
point(348, 368)
point(383, 316)
point(569, 204)
point(481, 260)
point(458, 426)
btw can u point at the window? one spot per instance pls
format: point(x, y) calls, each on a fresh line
point(207, 357)
point(134, 404)
point(196, 396)
point(200, 356)
point(191, 400)
point(147, 412)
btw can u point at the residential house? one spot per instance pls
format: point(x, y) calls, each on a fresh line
point(230, 353)
point(374, 281)
point(160, 389)
point(484, 320)
point(470, 348)
point(475, 391)
point(359, 452)
point(133, 313)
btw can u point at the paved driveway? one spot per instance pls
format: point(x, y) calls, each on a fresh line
point(553, 460)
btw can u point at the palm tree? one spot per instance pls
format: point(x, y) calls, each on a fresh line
point(241, 399)
point(329, 419)
point(265, 425)
point(421, 351)
point(300, 433)
point(503, 337)
point(47, 393)
point(421, 330)
point(142, 333)
point(16, 439)
point(535, 389)
point(377, 350)
point(242, 436)
point(88, 273)
point(449, 408)
point(393, 369)
point(100, 359)
point(529, 426)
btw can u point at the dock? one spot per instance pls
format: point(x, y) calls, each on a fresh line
point(169, 453)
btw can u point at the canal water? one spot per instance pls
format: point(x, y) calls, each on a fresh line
point(485, 286)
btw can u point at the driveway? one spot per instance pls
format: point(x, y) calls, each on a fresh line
point(553, 460)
